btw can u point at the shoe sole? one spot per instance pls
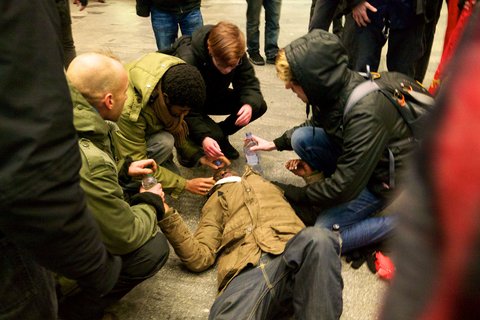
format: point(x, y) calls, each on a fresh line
point(257, 63)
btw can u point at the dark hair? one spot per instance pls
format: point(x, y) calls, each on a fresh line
point(184, 86)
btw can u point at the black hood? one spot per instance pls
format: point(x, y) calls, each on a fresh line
point(199, 44)
point(318, 62)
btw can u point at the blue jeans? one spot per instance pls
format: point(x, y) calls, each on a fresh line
point(272, 26)
point(165, 25)
point(305, 279)
point(27, 290)
point(359, 225)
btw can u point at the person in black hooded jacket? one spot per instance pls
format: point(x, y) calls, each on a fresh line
point(345, 162)
point(218, 51)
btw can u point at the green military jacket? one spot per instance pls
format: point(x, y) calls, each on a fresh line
point(138, 119)
point(239, 221)
point(123, 228)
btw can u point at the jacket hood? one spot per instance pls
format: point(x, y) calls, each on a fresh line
point(145, 73)
point(199, 43)
point(318, 62)
point(88, 122)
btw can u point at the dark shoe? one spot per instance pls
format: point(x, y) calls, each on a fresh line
point(229, 151)
point(271, 60)
point(256, 59)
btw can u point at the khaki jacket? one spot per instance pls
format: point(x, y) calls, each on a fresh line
point(239, 221)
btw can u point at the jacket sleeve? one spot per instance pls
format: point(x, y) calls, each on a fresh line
point(123, 228)
point(365, 137)
point(130, 142)
point(246, 84)
point(42, 208)
point(197, 251)
point(131, 138)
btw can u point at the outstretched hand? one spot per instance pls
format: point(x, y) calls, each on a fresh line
point(200, 186)
point(262, 144)
point(299, 167)
point(211, 148)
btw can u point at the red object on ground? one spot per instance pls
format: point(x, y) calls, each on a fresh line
point(385, 267)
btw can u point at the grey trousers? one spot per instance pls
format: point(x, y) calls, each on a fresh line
point(305, 280)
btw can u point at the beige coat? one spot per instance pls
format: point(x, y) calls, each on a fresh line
point(239, 221)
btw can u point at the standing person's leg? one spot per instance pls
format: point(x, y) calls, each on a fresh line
point(27, 290)
point(253, 34)
point(272, 28)
point(137, 266)
point(357, 226)
point(165, 27)
point(191, 21)
point(322, 13)
point(68, 45)
point(306, 278)
point(406, 48)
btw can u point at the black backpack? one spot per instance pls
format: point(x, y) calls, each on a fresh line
point(408, 96)
point(412, 101)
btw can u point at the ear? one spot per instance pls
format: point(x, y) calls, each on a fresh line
point(108, 101)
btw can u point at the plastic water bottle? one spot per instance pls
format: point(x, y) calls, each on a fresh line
point(148, 181)
point(253, 160)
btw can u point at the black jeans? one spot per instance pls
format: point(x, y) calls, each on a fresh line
point(137, 266)
point(27, 290)
point(228, 104)
point(305, 279)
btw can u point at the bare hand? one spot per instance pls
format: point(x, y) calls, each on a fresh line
point(142, 167)
point(360, 14)
point(158, 190)
point(200, 186)
point(244, 115)
point(211, 148)
point(208, 162)
point(78, 3)
point(262, 144)
point(299, 167)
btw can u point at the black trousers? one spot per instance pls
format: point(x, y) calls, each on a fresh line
point(137, 266)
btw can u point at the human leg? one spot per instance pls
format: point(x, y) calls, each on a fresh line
point(272, 28)
point(322, 13)
point(68, 45)
point(190, 21)
point(365, 45)
point(137, 266)
point(160, 148)
point(165, 27)
point(405, 49)
point(357, 226)
point(27, 290)
point(305, 278)
point(253, 34)
point(315, 147)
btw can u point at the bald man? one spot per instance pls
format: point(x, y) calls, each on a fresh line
point(98, 86)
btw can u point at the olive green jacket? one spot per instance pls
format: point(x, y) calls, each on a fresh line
point(239, 221)
point(123, 228)
point(138, 120)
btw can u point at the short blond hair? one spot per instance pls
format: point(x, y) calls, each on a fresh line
point(283, 68)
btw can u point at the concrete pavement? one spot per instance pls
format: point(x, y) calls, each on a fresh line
point(176, 293)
